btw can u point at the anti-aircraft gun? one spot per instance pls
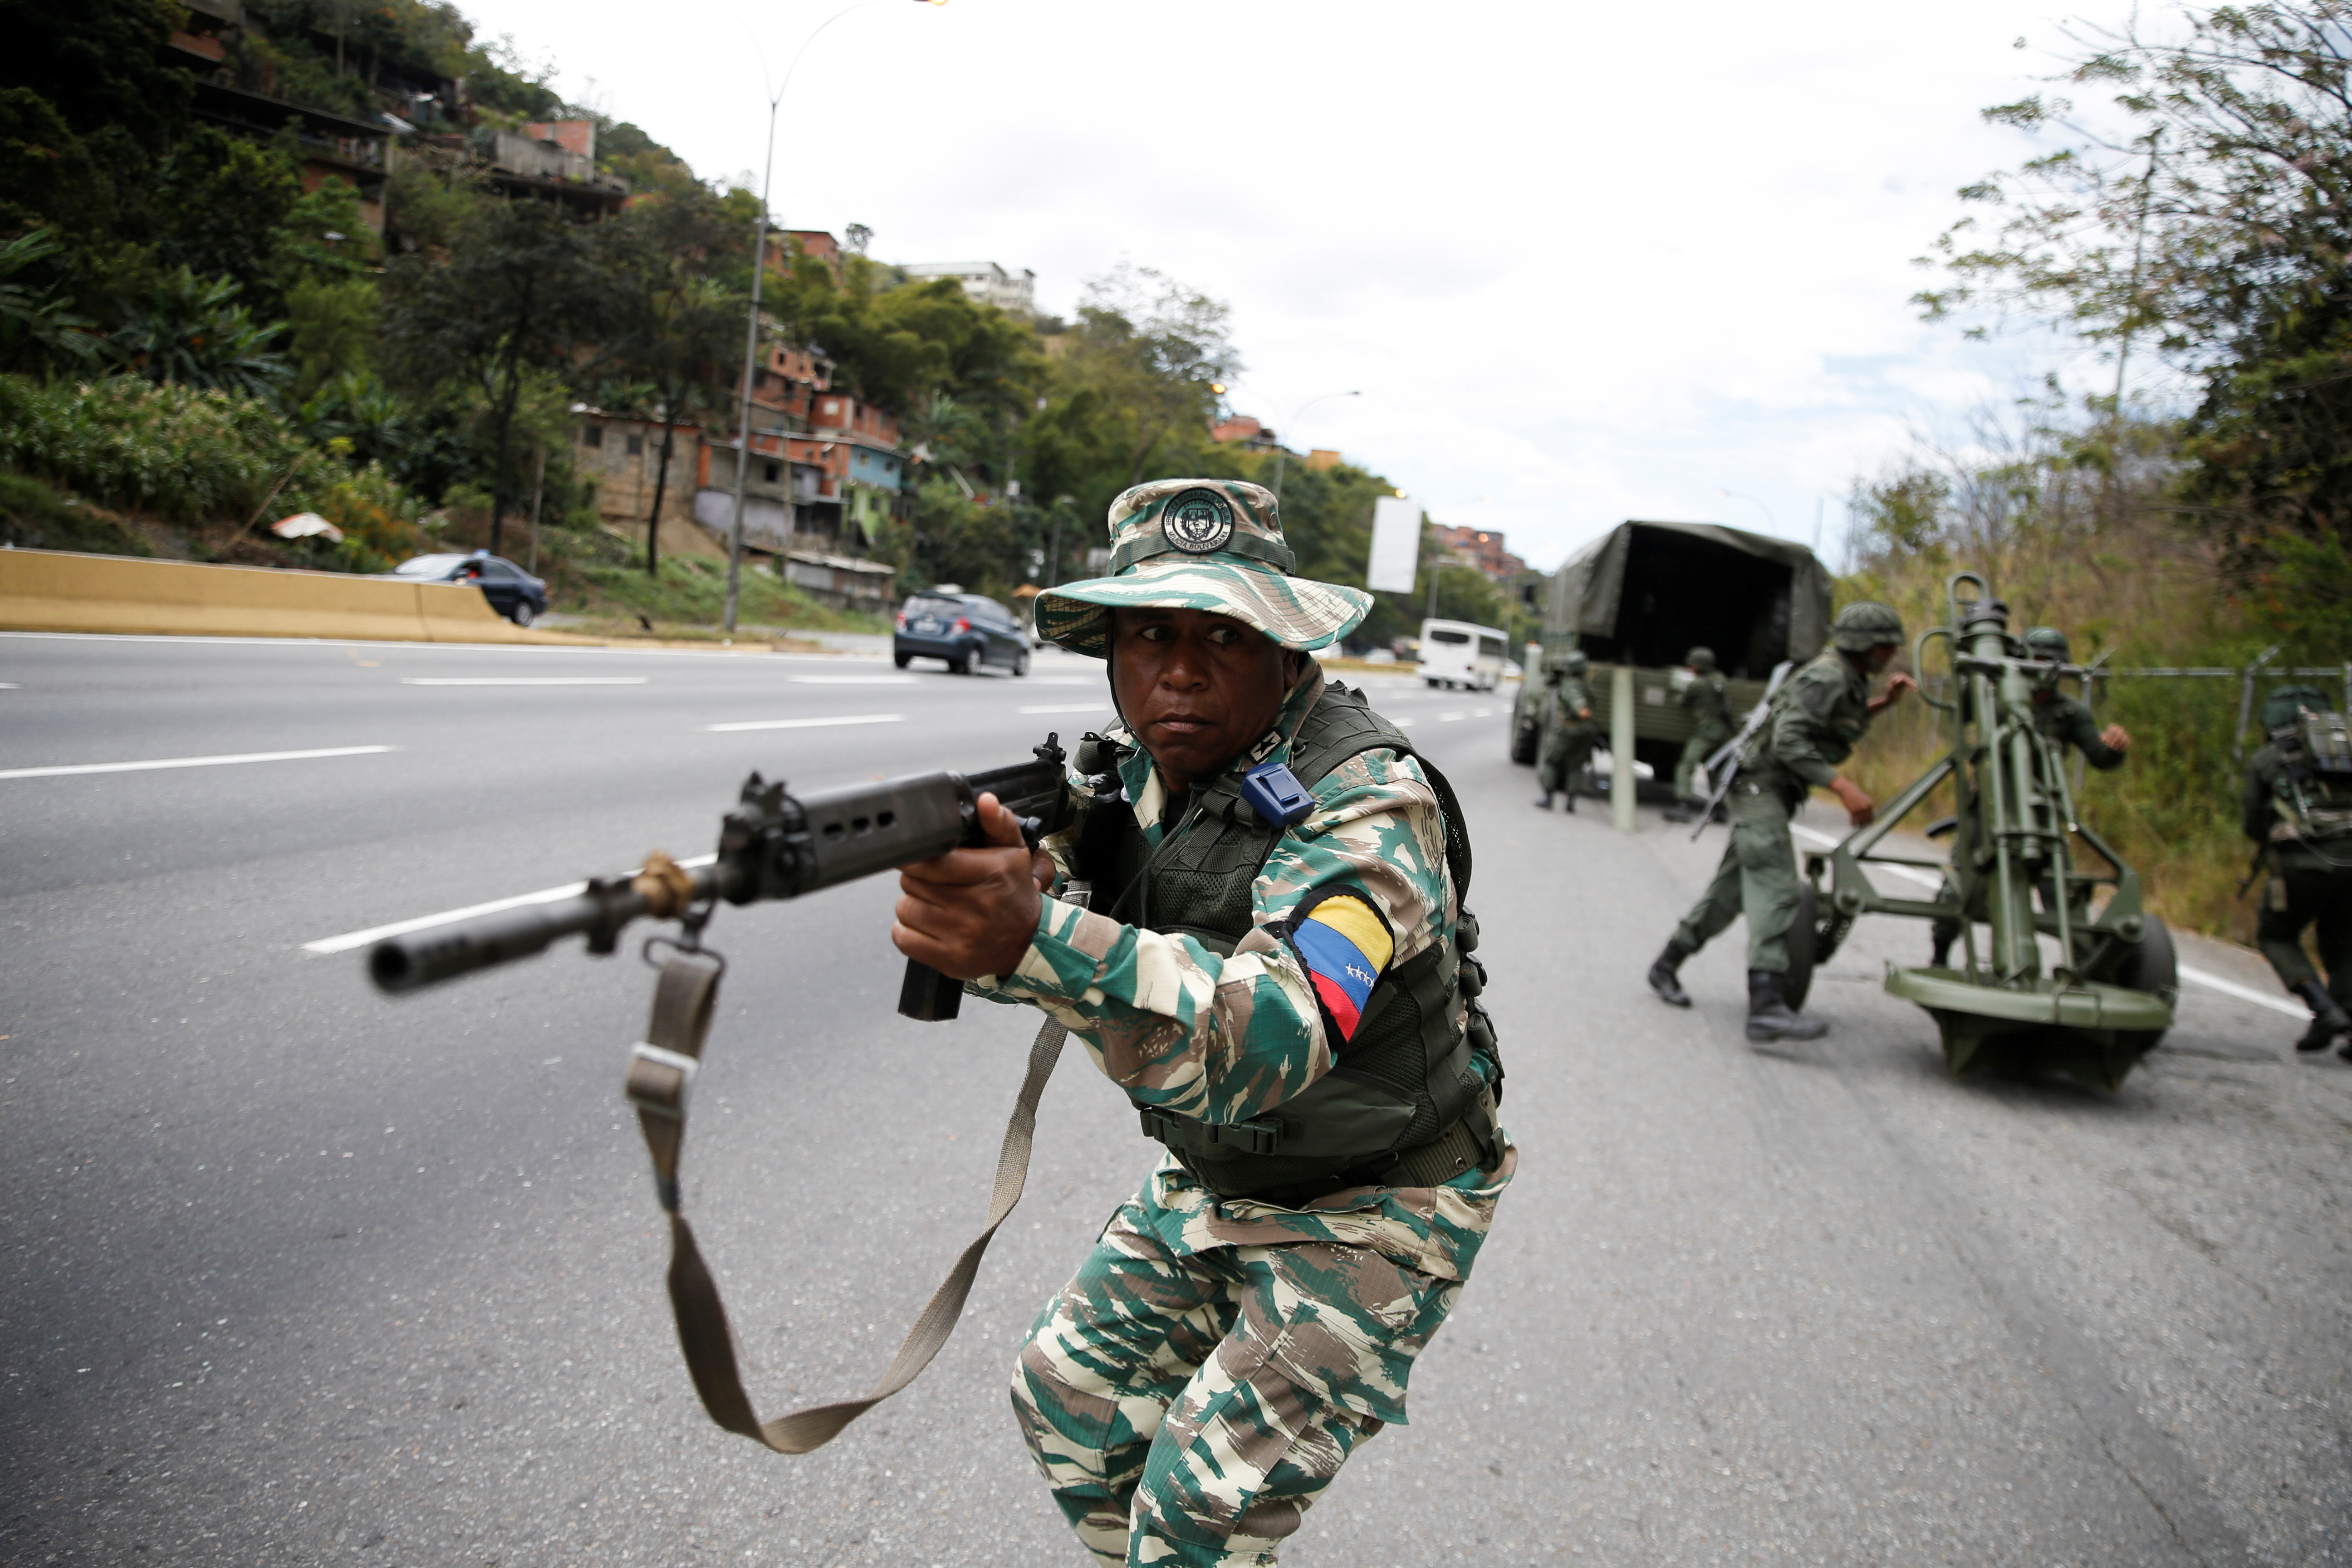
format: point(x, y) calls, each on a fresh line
point(2104, 998)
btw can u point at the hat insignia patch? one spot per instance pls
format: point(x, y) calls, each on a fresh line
point(1198, 522)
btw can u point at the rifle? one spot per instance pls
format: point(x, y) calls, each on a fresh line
point(773, 844)
point(1730, 750)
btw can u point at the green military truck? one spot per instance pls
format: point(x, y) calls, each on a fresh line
point(1645, 594)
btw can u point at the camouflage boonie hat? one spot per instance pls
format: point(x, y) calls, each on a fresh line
point(1200, 544)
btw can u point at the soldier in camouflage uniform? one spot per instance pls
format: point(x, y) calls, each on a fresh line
point(2065, 722)
point(1569, 733)
point(1708, 700)
point(2309, 856)
point(1817, 717)
point(1270, 961)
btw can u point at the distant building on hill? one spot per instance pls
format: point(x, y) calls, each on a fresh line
point(984, 281)
point(1481, 548)
point(1242, 427)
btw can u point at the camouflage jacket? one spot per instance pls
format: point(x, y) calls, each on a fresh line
point(1179, 1028)
point(1708, 700)
point(2062, 719)
point(1817, 719)
point(1570, 697)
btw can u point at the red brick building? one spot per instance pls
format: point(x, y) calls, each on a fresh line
point(1481, 548)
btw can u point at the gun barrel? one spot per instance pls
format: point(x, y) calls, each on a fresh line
point(837, 836)
point(403, 963)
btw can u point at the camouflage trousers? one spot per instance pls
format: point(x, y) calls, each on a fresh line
point(1756, 878)
point(1188, 1409)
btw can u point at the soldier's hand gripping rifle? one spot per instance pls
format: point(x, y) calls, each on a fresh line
point(773, 844)
point(1726, 756)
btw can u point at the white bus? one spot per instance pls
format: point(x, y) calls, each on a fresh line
point(1455, 652)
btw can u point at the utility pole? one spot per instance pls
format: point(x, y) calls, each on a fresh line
point(751, 352)
point(752, 326)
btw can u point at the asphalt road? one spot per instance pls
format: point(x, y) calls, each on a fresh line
point(292, 1274)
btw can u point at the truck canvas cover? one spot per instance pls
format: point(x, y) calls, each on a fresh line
point(1646, 593)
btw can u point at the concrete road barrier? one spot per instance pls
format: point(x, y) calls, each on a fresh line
point(57, 591)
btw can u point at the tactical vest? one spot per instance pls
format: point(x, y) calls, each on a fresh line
point(2313, 790)
point(1406, 1079)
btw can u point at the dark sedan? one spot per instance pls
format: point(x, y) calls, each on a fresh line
point(511, 591)
point(965, 629)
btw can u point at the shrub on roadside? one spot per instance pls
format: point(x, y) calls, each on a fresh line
point(200, 458)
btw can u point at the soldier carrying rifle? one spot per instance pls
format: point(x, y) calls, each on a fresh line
point(1274, 969)
point(1816, 719)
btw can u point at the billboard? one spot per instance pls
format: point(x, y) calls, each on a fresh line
point(1396, 545)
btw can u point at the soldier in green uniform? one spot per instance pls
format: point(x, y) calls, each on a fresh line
point(1706, 699)
point(1569, 733)
point(2298, 806)
point(1817, 717)
point(2065, 722)
point(1272, 962)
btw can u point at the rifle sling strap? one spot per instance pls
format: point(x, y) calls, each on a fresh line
point(660, 1072)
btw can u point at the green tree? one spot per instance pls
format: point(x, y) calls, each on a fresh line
point(225, 201)
point(2215, 230)
point(521, 293)
point(674, 320)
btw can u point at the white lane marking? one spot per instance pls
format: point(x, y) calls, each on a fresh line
point(350, 940)
point(1403, 723)
point(1062, 679)
point(2193, 976)
point(9, 686)
point(191, 762)
point(536, 648)
point(524, 680)
point(856, 679)
point(1451, 718)
point(805, 723)
point(1481, 713)
point(1063, 707)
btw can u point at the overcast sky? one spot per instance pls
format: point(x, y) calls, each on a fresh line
point(1585, 263)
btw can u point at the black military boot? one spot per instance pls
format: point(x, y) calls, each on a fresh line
point(1567, 801)
point(1543, 801)
point(1770, 1018)
point(2327, 1019)
point(1665, 974)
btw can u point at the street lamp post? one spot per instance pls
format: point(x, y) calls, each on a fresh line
point(1280, 451)
point(1770, 521)
point(751, 323)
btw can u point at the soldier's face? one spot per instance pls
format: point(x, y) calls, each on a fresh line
point(1884, 655)
point(1196, 687)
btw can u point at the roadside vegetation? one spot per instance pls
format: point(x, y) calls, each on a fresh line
point(2193, 220)
point(193, 346)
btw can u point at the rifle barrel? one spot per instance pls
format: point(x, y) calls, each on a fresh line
point(840, 836)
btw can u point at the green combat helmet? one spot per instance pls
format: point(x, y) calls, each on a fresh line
point(2047, 642)
point(1702, 659)
point(2286, 703)
point(1865, 625)
point(1574, 662)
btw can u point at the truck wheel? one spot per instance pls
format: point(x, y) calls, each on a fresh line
point(901, 659)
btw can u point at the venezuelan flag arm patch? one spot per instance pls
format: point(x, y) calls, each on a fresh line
point(1345, 947)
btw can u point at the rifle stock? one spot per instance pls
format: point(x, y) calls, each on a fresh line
point(773, 844)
